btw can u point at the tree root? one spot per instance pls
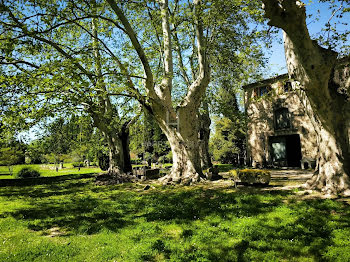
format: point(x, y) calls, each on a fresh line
point(337, 186)
point(113, 177)
point(177, 178)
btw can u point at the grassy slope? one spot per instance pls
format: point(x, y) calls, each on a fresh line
point(200, 223)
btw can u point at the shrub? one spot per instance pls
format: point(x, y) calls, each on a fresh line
point(252, 176)
point(136, 161)
point(28, 172)
point(78, 164)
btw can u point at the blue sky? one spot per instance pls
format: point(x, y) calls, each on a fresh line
point(277, 63)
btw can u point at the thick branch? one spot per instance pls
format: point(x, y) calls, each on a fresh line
point(198, 87)
point(307, 62)
point(168, 59)
point(181, 64)
point(133, 38)
point(49, 42)
point(15, 62)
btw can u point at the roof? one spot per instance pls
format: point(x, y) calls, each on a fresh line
point(266, 81)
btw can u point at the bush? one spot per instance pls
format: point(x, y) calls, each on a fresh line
point(136, 161)
point(252, 176)
point(78, 164)
point(28, 172)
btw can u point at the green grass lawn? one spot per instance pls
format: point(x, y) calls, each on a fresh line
point(48, 170)
point(69, 218)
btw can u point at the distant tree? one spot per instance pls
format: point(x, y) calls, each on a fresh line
point(225, 142)
point(9, 157)
point(228, 142)
point(35, 152)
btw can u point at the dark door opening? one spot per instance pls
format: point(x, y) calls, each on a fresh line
point(285, 150)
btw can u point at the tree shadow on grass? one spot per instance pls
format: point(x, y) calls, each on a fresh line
point(198, 203)
point(19, 182)
point(75, 215)
point(269, 225)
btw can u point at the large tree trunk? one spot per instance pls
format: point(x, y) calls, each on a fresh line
point(184, 138)
point(314, 68)
point(116, 154)
point(331, 112)
point(184, 143)
point(118, 144)
point(332, 169)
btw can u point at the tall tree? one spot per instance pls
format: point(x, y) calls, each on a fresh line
point(321, 75)
point(128, 50)
point(51, 53)
point(186, 30)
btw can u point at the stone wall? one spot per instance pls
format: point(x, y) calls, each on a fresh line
point(261, 120)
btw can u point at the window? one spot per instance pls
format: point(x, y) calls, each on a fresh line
point(282, 118)
point(287, 86)
point(260, 91)
point(264, 90)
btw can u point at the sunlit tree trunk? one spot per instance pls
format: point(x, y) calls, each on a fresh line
point(185, 147)
point(183, 138)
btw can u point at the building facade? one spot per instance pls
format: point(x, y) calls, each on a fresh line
point(280, 130)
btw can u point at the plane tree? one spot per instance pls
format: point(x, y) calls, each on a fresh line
point(52, 63)
point(96, 55)
point(176, 42)
point(324, 77)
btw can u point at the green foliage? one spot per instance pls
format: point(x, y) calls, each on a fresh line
point(78, 164)
point(35, 152)
point(10, 156)
point(200, 223)
point(251, 176)
point(334, 34)
point(28, 172)
point(228, 142)
point(148, 140)
point(103, 161)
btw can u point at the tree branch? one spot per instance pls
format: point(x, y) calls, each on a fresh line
point(133, 38)
point(198, 87)
point(44, 40)
point(15, 62)
point(167, 80)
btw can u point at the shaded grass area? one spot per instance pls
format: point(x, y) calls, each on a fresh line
point(47, 170)
point(75, 220)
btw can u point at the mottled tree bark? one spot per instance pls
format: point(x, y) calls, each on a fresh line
point(185, 147)
point(183, 138)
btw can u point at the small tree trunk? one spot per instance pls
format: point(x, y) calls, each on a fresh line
point(116, 154)
point(204, 135)
point(125, 139)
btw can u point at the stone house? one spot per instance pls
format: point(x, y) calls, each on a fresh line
point(280, 132)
